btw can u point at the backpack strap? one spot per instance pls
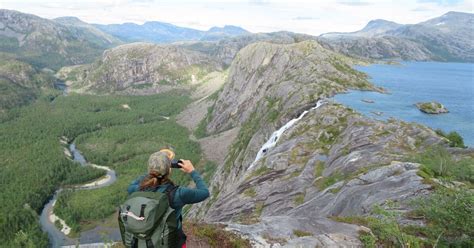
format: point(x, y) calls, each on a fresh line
point(170, 191)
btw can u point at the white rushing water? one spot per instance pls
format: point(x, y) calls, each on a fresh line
point(271, 142)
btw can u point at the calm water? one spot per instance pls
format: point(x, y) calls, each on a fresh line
point(451, 84)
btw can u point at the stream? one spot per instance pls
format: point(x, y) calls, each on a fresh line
point(58, 237)
point(271, 142)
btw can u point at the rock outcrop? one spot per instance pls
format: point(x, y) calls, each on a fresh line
point(333, 162)
point(431, 107)
point(140, 68)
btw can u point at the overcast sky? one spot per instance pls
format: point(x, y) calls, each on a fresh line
point(311, 17)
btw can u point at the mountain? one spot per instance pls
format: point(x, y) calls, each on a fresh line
point(224, 50)
point(48, 43)
point(372, 29)
point(31, 47)
point(161, 32)
point(140, 68)
point(330, 162)
point(20, 83)
point(445, 38)
point(93, 34)
point(217, 33)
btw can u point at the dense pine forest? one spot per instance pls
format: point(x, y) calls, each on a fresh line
point(108, 134)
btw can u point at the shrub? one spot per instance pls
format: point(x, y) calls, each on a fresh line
point(450, 216)
point(438, 162)
point(455, 139)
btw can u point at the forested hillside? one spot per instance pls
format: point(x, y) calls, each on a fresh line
point(34, 165)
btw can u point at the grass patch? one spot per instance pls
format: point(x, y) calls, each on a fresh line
point(325, 182)
point(142, 86)
point(215, 235)
point(300, 233)
point(273, 115)
point(208, 171)
point(258, 172)
point(243, 138)
point(299, 199)
point(201, 130)
point(318, 169)
point(250, 192)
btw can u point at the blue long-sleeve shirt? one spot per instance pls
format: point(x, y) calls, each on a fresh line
point(182, 196)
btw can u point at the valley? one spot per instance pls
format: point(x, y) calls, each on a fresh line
point(287, 165)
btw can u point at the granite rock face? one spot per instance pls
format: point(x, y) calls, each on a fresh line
point(282, 77)
point(141, 68)
point(332, 162)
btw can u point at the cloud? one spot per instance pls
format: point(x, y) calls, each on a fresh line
point(259, 2)
point(140, 1)
point(442, 2)
point(304, 18)
point(421, 9)
point(355, 3)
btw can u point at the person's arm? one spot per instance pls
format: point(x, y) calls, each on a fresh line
point(200, 193)
point(135, 185)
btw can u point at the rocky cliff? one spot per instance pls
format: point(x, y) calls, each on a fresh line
point(332, 162)
point(140, 68)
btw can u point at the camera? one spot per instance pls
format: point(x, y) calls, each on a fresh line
point(176, 163)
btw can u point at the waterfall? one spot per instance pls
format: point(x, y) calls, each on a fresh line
point(271, 142)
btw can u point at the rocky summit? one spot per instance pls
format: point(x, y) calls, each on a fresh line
point(286, 165)
point(332, 163)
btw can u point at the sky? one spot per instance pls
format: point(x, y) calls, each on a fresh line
point(310, 17)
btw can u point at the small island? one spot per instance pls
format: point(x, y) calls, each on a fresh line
point(431, 107)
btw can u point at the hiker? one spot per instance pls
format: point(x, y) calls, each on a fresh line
point(157, 182)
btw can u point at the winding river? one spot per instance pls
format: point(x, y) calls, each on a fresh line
point(58, 237)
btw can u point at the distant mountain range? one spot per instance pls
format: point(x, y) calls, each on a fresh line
point(446, 38)
point(35, 47)
point(161, 32)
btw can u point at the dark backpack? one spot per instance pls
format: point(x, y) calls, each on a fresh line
point(146, 220)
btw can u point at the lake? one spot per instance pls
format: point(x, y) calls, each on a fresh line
point(451, 84)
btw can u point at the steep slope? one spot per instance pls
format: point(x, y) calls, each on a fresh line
point(20, 83)
point(140, 68)
point(445, 38)
point(161, 32)
point(47, 43)
point(326, 164)
point(225, 49)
